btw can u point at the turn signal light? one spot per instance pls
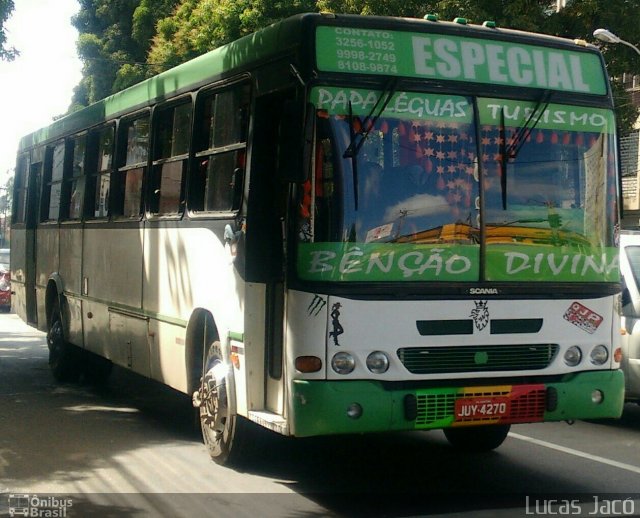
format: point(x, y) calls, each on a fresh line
point(617, 355)
point(308, 364)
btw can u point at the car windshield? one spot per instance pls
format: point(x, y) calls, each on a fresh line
point(444, 187)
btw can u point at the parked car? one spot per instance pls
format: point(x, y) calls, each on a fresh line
point(5, 280)
point(630, 304)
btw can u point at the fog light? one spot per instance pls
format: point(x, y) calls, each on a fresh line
point(599, 355)
point(354, 411)
point(343, 363)
point(573, 356)
point(597, 397)
point(378, 362)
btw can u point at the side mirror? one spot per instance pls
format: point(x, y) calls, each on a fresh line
point(627, 308)
point(295, 141)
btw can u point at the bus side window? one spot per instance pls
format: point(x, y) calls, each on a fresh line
point(73, 185)
point(52, 191)
point(172, 131)
point(20, 190)
point(100, 151)
point(128, 181)
point(216, 183)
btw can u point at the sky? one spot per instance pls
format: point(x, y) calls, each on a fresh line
point(38, 84)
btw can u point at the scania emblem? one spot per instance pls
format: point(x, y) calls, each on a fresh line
point(483, 291)
point(480, 314)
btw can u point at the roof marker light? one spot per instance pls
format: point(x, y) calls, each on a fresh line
point(431, 17)
point(459, 20)
point(489, 24)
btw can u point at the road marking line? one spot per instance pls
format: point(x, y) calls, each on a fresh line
point(577, 453)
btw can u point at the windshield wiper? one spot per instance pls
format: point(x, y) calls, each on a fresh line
point(370, 120)
point(368, 123)
point(532, 121)
point(518, 140)
point(517, 222)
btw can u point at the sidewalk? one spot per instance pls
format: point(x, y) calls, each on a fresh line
point(23, 353)
point(12, 324)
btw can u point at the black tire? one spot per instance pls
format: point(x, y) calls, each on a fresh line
point(225, 434)
point(64, 359)
point(477, 438)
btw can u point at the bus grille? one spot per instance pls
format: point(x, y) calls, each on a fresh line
point(525, 407)
point(477, 358)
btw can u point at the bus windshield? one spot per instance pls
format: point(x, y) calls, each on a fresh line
point(420, 187)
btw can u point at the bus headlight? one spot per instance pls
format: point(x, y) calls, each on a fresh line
point(378, 362)
point(599, 355)
point(343, 363)
point(573, 356)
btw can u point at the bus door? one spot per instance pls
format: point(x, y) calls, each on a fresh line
point(274, 399)
point(266, 226)
point(31, 222)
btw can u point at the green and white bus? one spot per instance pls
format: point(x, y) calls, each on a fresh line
point(336, 225)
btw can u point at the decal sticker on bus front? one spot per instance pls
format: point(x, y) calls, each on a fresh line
point(582, 317)
point(335, 323)
point(317, 304)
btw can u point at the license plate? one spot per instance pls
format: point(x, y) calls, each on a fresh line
point(481, 408)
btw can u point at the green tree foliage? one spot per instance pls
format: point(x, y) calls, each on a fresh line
point(198, 26)
point(6, 53)
point(115, 38)
point(581, 17)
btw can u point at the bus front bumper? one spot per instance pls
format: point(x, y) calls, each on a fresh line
point(337, 407)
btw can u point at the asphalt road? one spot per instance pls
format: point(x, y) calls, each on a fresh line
point(130, 450)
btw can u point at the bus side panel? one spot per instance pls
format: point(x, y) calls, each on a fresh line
point(251, 395)
point(167, 296)
point(19, 240)
point(167, 282)
point(184, 269)
point(129, 341)
point(70, 270)
point(96, 320)
point(112, 266)
point(47, 247)
point(112, 276)
point(168, 362)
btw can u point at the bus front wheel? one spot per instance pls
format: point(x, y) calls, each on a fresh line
point(64, 358)
point(477, 438)
point(223, 430)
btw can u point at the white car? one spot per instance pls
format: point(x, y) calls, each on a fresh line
point(630, 270)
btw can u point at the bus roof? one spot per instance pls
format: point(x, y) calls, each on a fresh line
point(278, 38)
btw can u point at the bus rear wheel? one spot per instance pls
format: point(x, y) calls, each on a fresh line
point(223, 431)
point(64, 358)
point(477, 438)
